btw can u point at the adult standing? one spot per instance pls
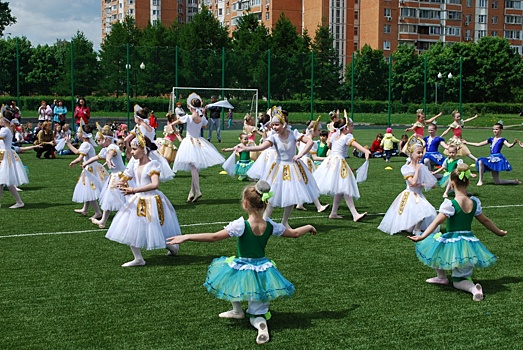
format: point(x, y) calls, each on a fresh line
point(60, 112)
point(45, 113)
point(179, 113)
point(214, 120)
point(81, 111)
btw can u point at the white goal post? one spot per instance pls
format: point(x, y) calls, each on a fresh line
point(244, 100)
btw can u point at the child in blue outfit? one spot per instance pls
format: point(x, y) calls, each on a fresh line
point(457, 249)
point(251, 276)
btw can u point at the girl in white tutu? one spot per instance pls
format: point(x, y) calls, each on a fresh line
point(12, 171)
point(111, 198)
point(289, 177)
point(411, 211)
point(141, 116)
point(90, 182)
point(195, 152)
point(457, 249)
point(264, 160)
point(312, 131)
point(334, 176)
point(148, 218)
point(251, 276)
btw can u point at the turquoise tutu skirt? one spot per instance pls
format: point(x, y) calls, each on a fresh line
point(242, 166)
point(454, 249)
point(246, 279)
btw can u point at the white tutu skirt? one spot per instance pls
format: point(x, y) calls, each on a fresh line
point(12, 171)
point(111, 198)
point(60, 144)
point(408, 209)
point(90, 183)
point(145, 221)
point(198, 152)
point(261, 166)
point(334, 176)
point(292, 183)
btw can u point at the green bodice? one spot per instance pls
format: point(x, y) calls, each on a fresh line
point(252, 246)
point(461, 221)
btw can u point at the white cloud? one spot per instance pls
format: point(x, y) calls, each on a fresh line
point(44, 21)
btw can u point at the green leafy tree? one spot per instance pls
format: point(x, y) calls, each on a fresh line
point(407, 75)
point(371, 75)
point(6, 19)
point(113, 56)
point(288, 60)
point(327, 68)
point(250, 41)
point(201, 42)
point(45, 70)
point(8, 62)
point(85, 65)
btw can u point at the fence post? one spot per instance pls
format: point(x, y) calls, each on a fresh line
point(390, 89)
point(223, 85)
point(176, 71)
point(18, 73)
point(312, 84)
point(72, 86)
point(425, 84)
point(352, 88)
point(268, 78)
point(128, 68)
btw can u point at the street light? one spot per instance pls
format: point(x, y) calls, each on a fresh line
point(142, 67)
point(449, 76)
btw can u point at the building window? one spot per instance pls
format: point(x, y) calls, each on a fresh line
point(156, 2)
point(356, 15)
point(469, 3)
point(387, 12)
point(494, 19)
point(494, 33)
point(513, 4)
point(386, 45)
point(266, 16)
point(454, 15)
point(495, 4)
point(482, 3)
point(386, 28)
point(481, 33)
point(512, 34)
point(482, 19)
point(220, 12)
point(356, 30)
point(513, 20)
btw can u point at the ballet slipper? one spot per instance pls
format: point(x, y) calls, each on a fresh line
point(323, 208)
point(232, 314)
point(300, 207)
point(437, 280)
point(477, 294)
point(197, 197)
point(96, 217)
point(172, 250)
point(335, 216)
point(480, 183)
point(135, 262)
point(98, 223)
point(360, 217)
point(17, 205)
point(80, 211)
point(18, 189)
point(263, 333)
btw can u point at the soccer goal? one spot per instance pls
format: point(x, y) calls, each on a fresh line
point(244, 101)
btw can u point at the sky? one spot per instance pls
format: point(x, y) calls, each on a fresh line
point(44, 21)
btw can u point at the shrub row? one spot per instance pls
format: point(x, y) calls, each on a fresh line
point(113, 104)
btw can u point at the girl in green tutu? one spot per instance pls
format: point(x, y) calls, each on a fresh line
point(458, 249)
point(251, 276)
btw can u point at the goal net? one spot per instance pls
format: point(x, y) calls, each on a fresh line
point(244, 101)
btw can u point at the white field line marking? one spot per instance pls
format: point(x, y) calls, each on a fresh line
point(219, 223)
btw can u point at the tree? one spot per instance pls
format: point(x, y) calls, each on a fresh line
point(289, 54)
point(5, 17)
point(250, 42)
point(407, 75)
point(202, 41)
point(113, 56)
point(327, 68)
point(45, 70)
point(85, 65)
point(371, 75)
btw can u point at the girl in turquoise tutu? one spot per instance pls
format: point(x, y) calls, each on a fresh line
point(245, 162)
point(251, 276)
point(458, 249)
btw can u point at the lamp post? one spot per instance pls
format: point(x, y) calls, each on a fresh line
point(449, 76)
point(128, 69)
point(142, 67)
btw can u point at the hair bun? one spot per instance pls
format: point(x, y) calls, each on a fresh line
point(262, 187)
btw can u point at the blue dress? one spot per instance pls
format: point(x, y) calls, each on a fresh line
point(496, 161)
point(431, 150)
point(251, 276)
